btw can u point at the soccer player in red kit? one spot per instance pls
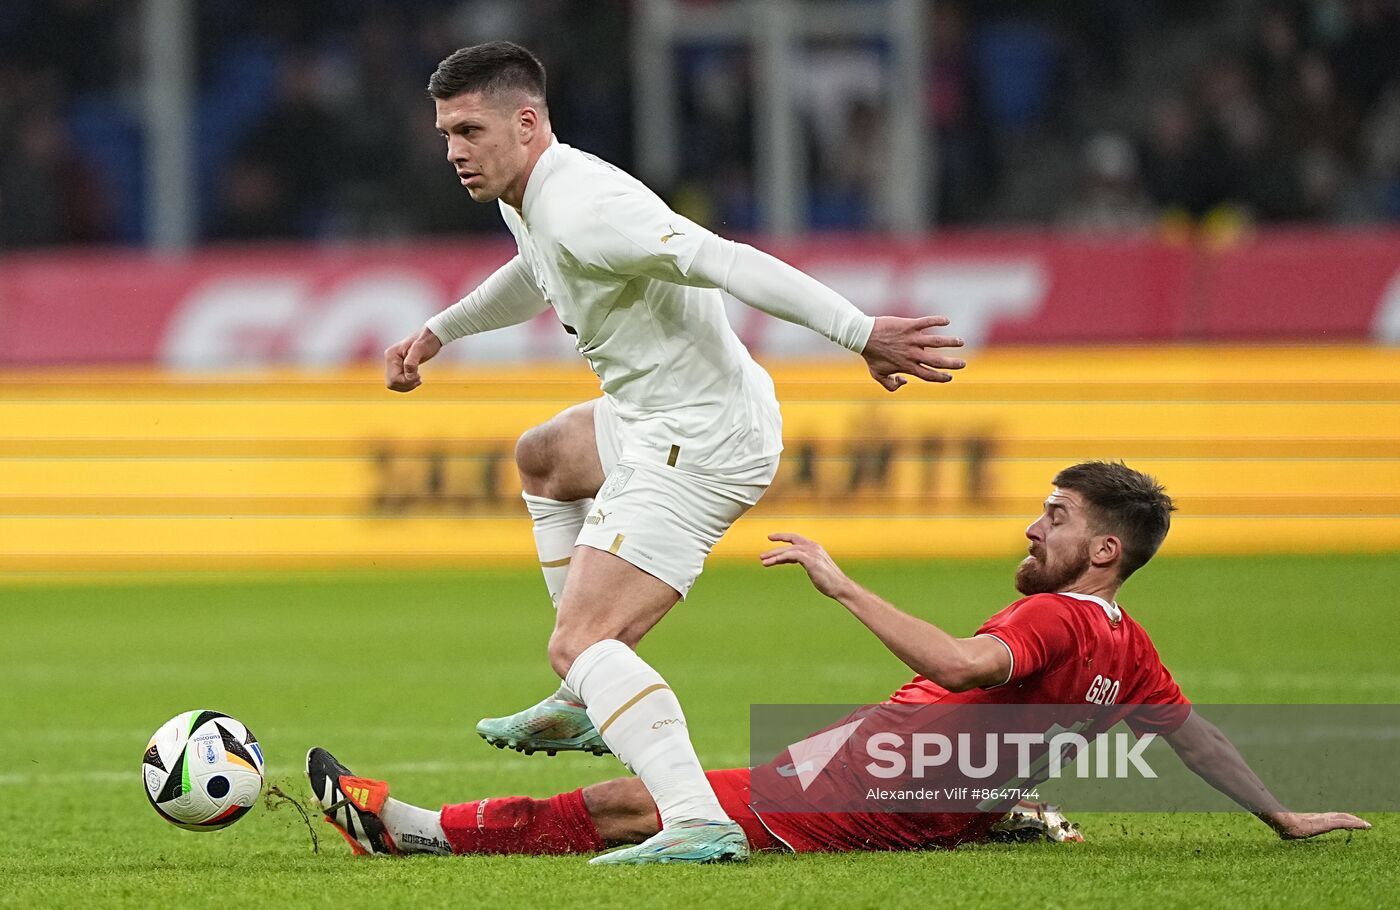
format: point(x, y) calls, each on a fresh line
point(1067, 642)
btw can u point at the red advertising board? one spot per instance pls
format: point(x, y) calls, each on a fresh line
point(1306, 286)
point(331, 305)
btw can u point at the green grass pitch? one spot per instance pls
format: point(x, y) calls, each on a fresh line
point(390, 671)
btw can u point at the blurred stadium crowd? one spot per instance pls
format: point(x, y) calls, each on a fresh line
point(1110, 115)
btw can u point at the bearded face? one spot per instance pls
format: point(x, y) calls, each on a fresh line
point(1047, 572)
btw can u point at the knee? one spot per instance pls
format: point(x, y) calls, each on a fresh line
point(533, 461)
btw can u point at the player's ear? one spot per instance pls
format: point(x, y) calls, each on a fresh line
point(1105, 550)
point(528, 121)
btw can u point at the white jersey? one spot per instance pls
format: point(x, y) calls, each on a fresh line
point(636, 284)
point(613, 260)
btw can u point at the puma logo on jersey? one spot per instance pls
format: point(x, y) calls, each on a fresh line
point(665, 238)
point(597, 518)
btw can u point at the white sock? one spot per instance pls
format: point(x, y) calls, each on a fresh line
point(415, 830)
point(641, 721)
point(557, 524)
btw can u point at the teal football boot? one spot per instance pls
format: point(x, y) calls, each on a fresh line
point(554, 725)
point(687, 842)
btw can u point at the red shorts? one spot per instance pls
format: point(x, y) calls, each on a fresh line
point(732, 789)
point(833, 832)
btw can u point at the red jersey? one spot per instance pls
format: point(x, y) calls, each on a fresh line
point(1065, 649)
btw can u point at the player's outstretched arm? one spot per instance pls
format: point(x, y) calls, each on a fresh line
point(891, 345)
point(1210, 755)
point(636, 234)
point(507, 297)
point(956, 664)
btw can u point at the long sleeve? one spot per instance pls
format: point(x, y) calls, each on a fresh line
point(637, 234)
point(507, 297)
point(767, 283)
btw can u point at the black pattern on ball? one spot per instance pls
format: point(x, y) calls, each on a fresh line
point(175, 783)
point(152, 758)
point(232, 745)
point(204, 717)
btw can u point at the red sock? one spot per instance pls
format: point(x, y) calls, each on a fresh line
point(519, 824)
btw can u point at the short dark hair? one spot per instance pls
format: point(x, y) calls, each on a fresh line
point(1128, 504)
point(493, 68)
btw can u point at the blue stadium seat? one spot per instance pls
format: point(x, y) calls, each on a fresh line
point(1016, 66)
point(103, 127)
point(243, 87)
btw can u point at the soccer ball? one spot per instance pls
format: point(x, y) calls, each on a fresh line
point(202, 770)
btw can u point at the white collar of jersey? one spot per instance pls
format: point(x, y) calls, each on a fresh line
point(1115, 615)
point(543, 165)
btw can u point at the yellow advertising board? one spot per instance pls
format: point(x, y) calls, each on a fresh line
point(1265, 449)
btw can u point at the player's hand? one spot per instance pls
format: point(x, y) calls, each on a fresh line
point(900, 345)
point(1299, 825)
point(826, 575)
point(401, 360)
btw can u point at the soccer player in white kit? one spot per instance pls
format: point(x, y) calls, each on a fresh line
point(629, 492)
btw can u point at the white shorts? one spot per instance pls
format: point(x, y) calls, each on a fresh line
point(662, 519)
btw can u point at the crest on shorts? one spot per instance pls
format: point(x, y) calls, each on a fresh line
point(616, 481)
